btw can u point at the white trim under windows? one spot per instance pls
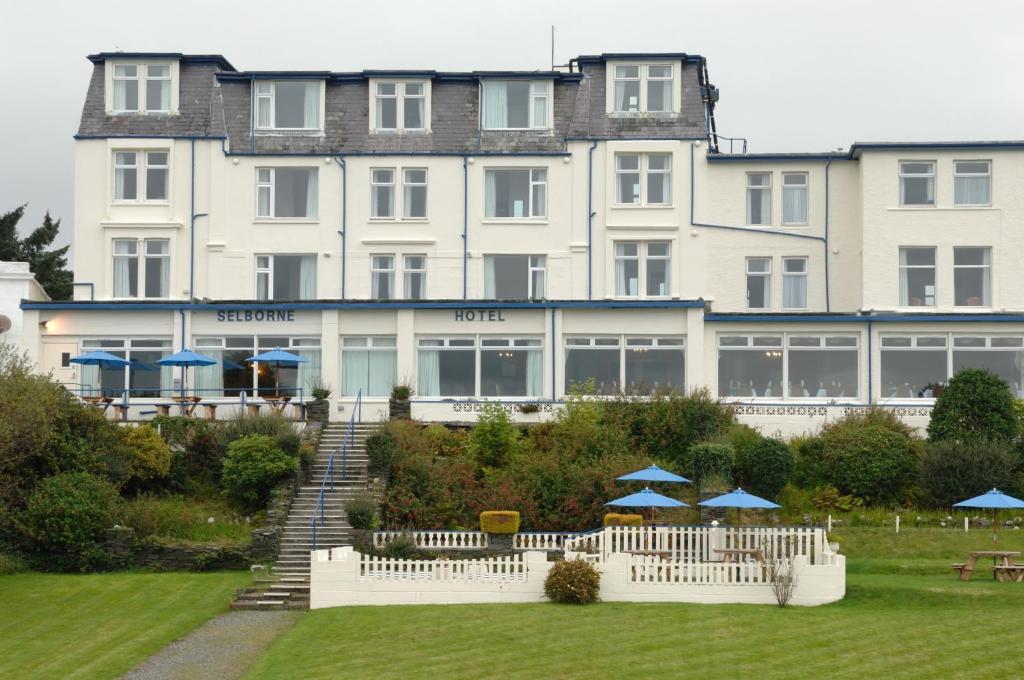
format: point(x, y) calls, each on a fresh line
point(643, 88)
point(917, 276)
point(141, 88)
point(290, 105)
point(400, 105)
point(794, 283)
point(514, 277)
point(480, 366)
point(629, 364)
point(794, 198)
point(287, 192)
point(917, 183)
point(143, 378)
point(515, 193)
point(759, 198)
point(141, 175)
point(784, 366)
point(233, 375)
point(972, 183)
point(141, 268)
point(759, 282)
point(382, 276)
point(972, 276)
point(285, 277)
point(369, 364)
point(643, 179)
point(516, 104)
point(649, 262)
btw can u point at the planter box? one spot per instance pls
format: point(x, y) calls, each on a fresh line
point(399, 409)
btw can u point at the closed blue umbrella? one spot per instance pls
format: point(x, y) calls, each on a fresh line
point(653, 474)
point(186, 358)
point(738, 499)
point(277, 356)
point(993, 500)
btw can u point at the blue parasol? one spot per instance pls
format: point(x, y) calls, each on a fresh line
point(653, 474)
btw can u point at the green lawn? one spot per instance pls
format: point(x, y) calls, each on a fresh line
point(905, 616)
point(101, 625)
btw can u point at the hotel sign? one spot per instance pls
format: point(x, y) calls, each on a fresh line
point(257, 315)
point(480, 315)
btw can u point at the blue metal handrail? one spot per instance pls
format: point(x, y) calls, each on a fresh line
point(346, 441)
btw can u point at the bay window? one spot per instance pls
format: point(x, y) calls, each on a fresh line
point(287, 105)
point(972, 277)
point(514, 277)
point(656, 169)
point(759, 198)
point(286, 277)
point(647, 261)
point(972, 182)
point(515, 104)
point(917, 183)
point(368, 364)
point(516, 193)
point(643, 88)
point(145, 260)
point(917, 277)
point(286, 192)
point(400, 106)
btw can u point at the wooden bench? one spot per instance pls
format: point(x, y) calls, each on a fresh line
point(1008, 573)
point(961, 569)
point(210, 411)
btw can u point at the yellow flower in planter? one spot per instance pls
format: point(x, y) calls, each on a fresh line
point(499, 522)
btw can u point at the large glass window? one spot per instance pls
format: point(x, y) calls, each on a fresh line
point(759, 198)
point(912, 366)
point(156, 175)
point(917, 277)
point(514, 277)
point(917, 183)
point(287, 105)
point(515, 104)
point(415, 276)
point(972, 182)
point(382, 192)
point(157, 268)
point(750, 366)
point(369, 364)
point(400, 106)
point(143, 377)
point(637, 261)
point(593, 359)
point(147, 181)
point(141, 88)
point(823, 366)
point(233, 375)
point(794, 283)
point(446, 367)
point(153, 269)
point(759, 282)
point(631, 365)
point(1001, 354)
point(382, 277)
point(794, 198)
point(414, 203)
point(286, 192)
point(286, 277)
point(972, 277)
point(643, 87)
point(656, 168)
point(511, 367)
point(158, 88)
point(516, 193)
point(655, 365)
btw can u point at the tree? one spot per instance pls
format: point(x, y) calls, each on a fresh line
point(976, 404)
point(49, 266)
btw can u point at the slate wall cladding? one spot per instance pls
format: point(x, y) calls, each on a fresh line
point(209, 107)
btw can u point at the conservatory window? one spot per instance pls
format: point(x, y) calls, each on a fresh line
point(511, 367)
point(912, 366)
point(446, 367)
point(368, 364)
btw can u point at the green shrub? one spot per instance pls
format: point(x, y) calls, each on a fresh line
point(495, 439)
point(65, 520)
point(381, 450)
point(710, 460)
point(12, 564)
point(952, 471)
point(828, 499)
point(764, 467)
point(289, 442)
point(573, 582)
point(361, 512)
point(499, 522)
point(150, 455)
point(251, 468)
point(976, 404)
point(267, 424)
point(196, 453)
point(871, 462)
point(401, 547)
point(183, 518)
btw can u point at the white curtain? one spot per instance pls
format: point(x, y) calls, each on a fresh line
point(383, 373)
point(986, 277)
point(429, 368)
point(90, 380)
point(490, 194)
point(166, 378)
point(312, 194)
point(122, 278)
point(534, 373)
point(766, 205)
point(620, 96)
point(165, 275)
point(308, 371)
point(119, 95)
point(119, 183)
point(208, 381)
point(625, 281)
point(495, 104)
point(354, 371)
point(489, 284)
point(307, 278)
point(794, 292)
point(794, 206)
point(312, 112)
point(904, 279)
point(972, 190)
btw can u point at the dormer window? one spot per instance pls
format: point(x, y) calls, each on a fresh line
point(400, 106)
point(516, 104)
point(141, 88)
point(640, 88)
point(287, 105)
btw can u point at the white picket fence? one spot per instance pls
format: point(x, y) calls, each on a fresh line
point(475, 540)
point(644, 569)
point(508, 568)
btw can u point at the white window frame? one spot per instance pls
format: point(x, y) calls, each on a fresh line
point(643, 257)
point(765, 274)
point(529, 207)
point(141, 168)
point(140, 94)
point(127, 346)
point(269, 185)
point(141, 78)
point(400, 96)
point(538, 90)
point(916, 175)
point(269, 272)
point(623, 343)
point(376, 186)
point(537, 264)
point(766, 219)
point(795, 275)
point(389, 272)
point(370, 344)
point(972, 175)
point(271, 96)
point(643, 78)
point(643, 173)
point(804, 189)
point(986, 269)
point(170, 85)
point(426, 192)
point(407, 271)
point(147, 259)
point(142, 259)
point(903, 271)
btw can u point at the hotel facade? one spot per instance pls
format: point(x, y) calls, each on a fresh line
point(510, 235)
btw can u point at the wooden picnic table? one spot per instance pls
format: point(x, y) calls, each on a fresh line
point(1000, 558)
point(277, 404)
point(663, 554)
point(730, 555)
point(187, 404)
point(98, 401)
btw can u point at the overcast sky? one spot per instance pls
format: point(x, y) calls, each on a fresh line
point(800, 75)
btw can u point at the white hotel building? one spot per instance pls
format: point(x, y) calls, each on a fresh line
point(505, 235)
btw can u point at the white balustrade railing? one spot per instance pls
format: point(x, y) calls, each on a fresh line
point(644, 569)
point(435, 540)
point(510, 568)
point(542, 540)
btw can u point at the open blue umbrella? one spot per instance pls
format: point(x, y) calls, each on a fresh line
point(277, 356)
point(738, 499)
point(653, 474)
point(993, 500)
point(186, 358)
point(100, 358)
point(646, 499)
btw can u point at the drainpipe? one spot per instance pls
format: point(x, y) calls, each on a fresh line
point(828, 303)
point(340, 160)
point(252, 113)
point(554, 355)
point(590, 219)
point(192, 239)
point(870, 355)
point(465, 227)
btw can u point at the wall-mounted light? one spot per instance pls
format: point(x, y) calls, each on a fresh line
point(45, 325)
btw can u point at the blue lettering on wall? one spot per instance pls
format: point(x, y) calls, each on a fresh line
point(247, 315)
point(482, 315)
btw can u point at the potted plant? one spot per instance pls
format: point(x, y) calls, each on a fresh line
point(399, 406)
point(319, 409)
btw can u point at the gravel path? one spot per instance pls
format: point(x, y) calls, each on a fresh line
point(221, 648)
